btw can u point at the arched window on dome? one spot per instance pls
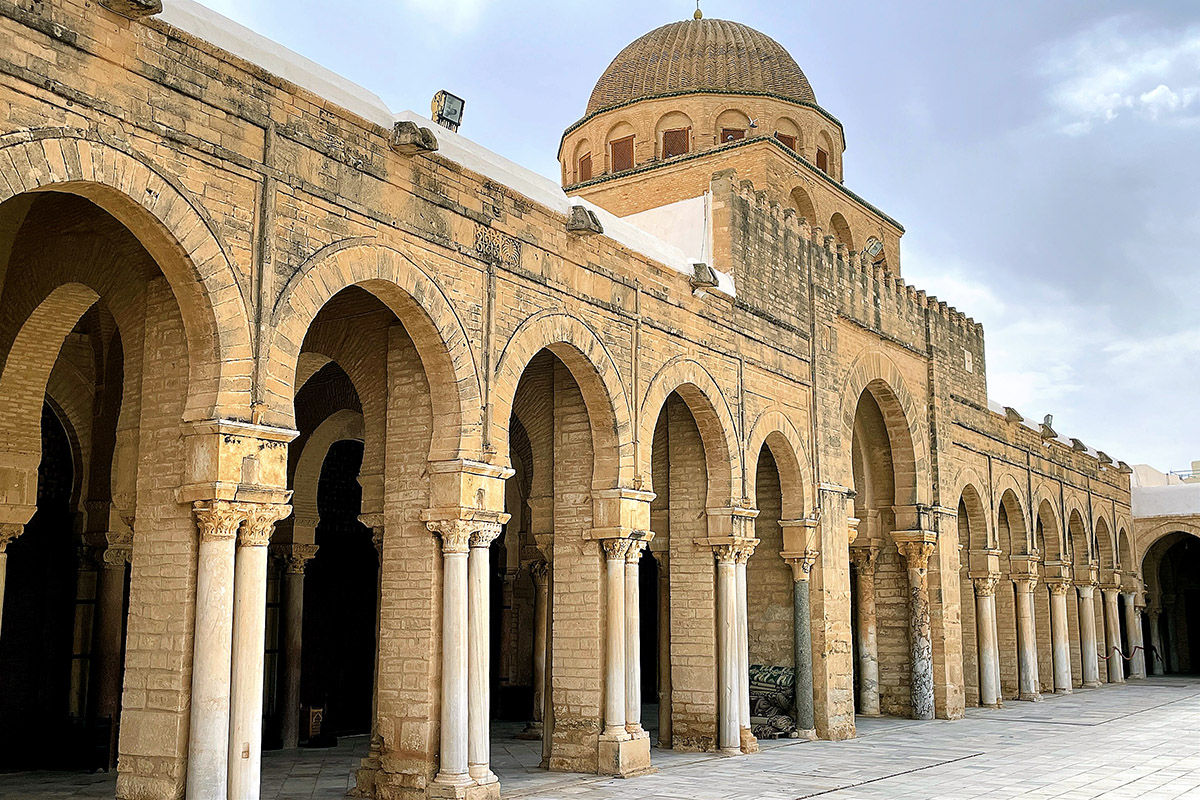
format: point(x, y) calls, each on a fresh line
point(732, 125)
point(620, 141)
point(841, 230)
point(583, 161)
point(674, 134)
point(825, 155)
point(788, 134)
point(804, 205)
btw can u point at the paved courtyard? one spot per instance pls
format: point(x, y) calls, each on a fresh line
point(1142, 741)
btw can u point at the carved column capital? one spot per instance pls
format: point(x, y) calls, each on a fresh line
point(295, 557)
point(737, 551)
point(986, 586)
point(8, 532)
point(616, 549)
point(864, 559)
point(260, 523)
point(1059, 586)
point(916, 553)
point(801, 563)
point(117, 550)
point(538, 570)
point(636, 548)
point(484, 534)
point(218, 520)
point(455, 534)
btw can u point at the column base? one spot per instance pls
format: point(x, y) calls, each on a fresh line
point(997, 705)
point(364, 780)
point(1092, 684)
point(729, 751)
point(466, 791)
point(749, 743)
point(625, 758)
point(482, 774)
point(809, 735)
point(1032, 697)
point(1067, 690)
point(533, 732)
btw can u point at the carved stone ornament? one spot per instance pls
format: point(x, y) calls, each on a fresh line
point(455, 533)
point(986, 586)
point(8, 532)
point(538, 570)
point(636, 548)
point(295, 557)
point(864, 559)
point(737, 552)
point(916, 553)
point(484, 534)
point(219, 520)
point(1059, 586)
point(260, 523)
point(616, 549)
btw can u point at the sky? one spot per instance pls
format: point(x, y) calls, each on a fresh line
point(1043, 156)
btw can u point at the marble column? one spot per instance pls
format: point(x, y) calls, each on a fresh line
point(1088, 647)
point(8, 532)
point(865, 559)
point(728, 674)
point(1029, 688)
point(802, 565)
point(208, 738)
point(110, 616)
point(1112, 635)
point(1153, 615)
point(1059, 637)
point(915, 548)
point(539, 572)
point(295, 558)
point(453, 773)
point(1170, 611)
point(249, 642)
point(748, 743)
point(633, 640)
point(1133, 635)
point(664, 649)
point(615, 551)
point(479, 668)
point(989, 651)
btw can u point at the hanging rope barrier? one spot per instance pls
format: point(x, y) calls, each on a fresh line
point(1117, 650)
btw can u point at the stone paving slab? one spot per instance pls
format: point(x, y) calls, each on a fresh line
point(1137, 741)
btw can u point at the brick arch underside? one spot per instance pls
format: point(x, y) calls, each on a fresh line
point(595, 372)
point(874, 372)
point(422, 307)
point(710, 410)
point(774, 431)
point(179, 236)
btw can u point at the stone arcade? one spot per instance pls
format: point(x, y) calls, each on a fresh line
point(307, 404)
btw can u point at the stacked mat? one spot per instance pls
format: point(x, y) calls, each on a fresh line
point(772, 699)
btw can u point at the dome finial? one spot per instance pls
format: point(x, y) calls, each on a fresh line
point(699, 14)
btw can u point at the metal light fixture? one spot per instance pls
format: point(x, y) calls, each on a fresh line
point(448, 110)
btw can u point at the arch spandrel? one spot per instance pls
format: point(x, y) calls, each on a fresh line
point(179, 235)
point(714, 418)
point(596, 372)
point(773, 429)
point(420, 305)
point(875, 372)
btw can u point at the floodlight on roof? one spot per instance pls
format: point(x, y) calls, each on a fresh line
point(448, 109)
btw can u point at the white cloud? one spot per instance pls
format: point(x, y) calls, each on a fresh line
point(1116, 67)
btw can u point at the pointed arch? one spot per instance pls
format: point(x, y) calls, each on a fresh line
point(875, 372)
point(772, 429)
point(178, 234)
point(714, 418)
point(594, 369)
point(1049, 544)
point(423, 309)
point(1012, 532)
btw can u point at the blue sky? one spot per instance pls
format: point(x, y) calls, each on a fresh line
point(1043, 155)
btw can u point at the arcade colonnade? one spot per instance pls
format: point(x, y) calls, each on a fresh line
point(534, 438)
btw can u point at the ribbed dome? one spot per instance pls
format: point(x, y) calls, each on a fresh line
point(695, 55)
